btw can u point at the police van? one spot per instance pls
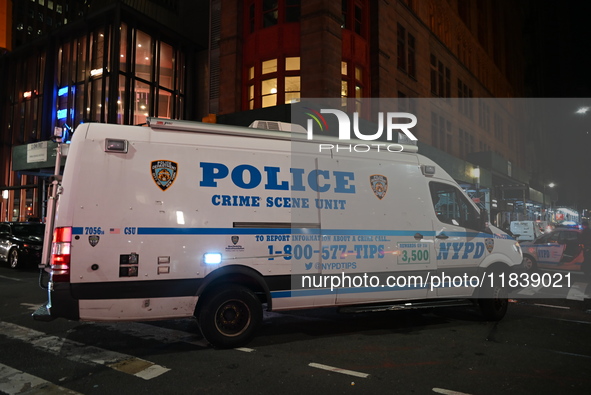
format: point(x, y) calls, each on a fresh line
point(188, 219)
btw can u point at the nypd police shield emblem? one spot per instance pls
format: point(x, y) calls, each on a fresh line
point(164, 173)
point(489, 244)
point(235, 240)
point(379, 185)
point(93, 240)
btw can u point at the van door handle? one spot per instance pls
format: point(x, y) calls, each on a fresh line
point(418, 236)
point(442, 236)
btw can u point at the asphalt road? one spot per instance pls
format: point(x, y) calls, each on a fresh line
point(542, 346)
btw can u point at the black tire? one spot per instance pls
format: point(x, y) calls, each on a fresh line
point(529, 264)
point(229, 317)
point(494, 303)
point(13, 259)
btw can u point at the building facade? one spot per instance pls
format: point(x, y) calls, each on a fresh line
point(101, 61)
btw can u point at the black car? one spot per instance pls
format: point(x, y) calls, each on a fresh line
point(21, 243)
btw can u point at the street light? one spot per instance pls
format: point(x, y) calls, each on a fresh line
point(551, 185)
point(476, 176)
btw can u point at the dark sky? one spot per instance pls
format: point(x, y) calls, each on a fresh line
point(560, 67)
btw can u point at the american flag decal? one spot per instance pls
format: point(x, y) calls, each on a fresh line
point(114, 231)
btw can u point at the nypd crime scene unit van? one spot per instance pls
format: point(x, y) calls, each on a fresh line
point(189, 219)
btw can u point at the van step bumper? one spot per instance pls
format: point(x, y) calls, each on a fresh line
point(412, 305)
point(42, 314)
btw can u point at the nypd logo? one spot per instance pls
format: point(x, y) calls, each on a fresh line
point(234, 247)
point(164, 173)
point(379, 185)
point(93, 240)
point(489, 244)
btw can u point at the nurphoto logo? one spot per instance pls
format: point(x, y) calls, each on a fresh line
point(388, 122)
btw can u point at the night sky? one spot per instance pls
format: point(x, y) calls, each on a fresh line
point(561, 68)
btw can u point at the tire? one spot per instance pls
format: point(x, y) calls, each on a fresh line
point(494, 303)
point(13, 259)
point(229, 317)
point(529, 264)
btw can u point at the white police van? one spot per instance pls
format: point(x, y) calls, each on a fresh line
point(183, 219)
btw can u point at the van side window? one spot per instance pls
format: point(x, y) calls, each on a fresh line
point(452, 207)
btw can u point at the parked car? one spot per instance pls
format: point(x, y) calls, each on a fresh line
point(21, 243)
point(559, 249)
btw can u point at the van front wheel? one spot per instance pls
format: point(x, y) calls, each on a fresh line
point(494, 303)
point(230, 317)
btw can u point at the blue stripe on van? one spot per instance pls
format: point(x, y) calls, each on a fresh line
point(78, 230)
point(326, 291)
point(256, 231)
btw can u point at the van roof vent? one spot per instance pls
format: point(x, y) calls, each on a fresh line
point(269, 125)
point(279, 126)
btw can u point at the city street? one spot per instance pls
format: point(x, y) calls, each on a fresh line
point(541, 347)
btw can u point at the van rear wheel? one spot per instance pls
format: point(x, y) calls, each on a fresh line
point(230, 317)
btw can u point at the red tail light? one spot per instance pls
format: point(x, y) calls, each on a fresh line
point(60, 254)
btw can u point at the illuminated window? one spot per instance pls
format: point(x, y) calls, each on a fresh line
point(292, 89)
point(269, 92)
point(352, 85)
point(269, 66)
point(143, 56)
point(292, 64)
point(251, 97)
point(149, 80)
point(273, 82)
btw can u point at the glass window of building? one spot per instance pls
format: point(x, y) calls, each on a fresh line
point(352, 85)
point(292, 64)
point(269, 92)
point(269, 66)
point(149, 75)
point(270, 12)
point(353, 16)
point(292, 89)
point(292, 10)
point(261, 14)
point(143, 56)
point(273, 82)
